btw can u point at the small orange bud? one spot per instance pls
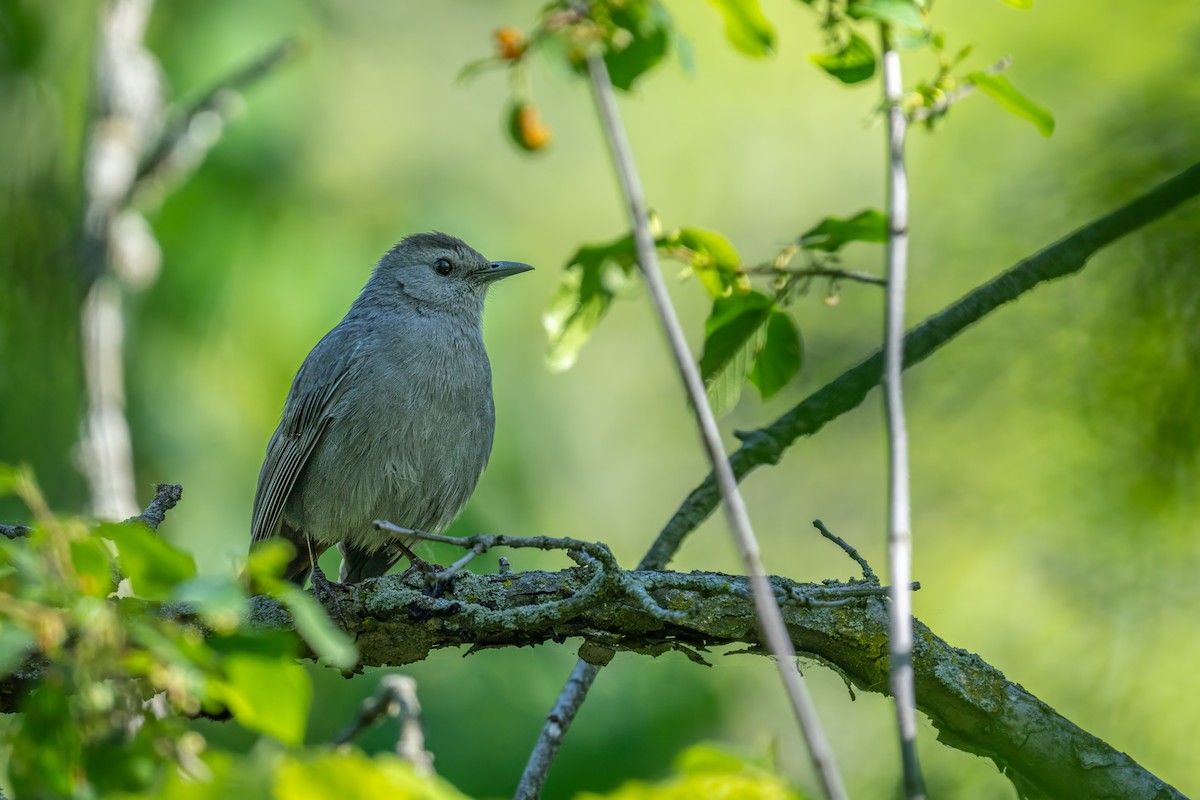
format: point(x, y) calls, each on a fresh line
point(510, 43)
point(527, 128)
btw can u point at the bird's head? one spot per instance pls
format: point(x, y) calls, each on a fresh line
point(434, 272)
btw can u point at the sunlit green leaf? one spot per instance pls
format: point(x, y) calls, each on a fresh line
point(705, 771)
point(833, 233)
point(591, 280)
point(268, 559)
point(313, 624)
point(1021, 4)
point(268, 695)
point(1001, 89)
point(151, 564)
point(746, 27)
point(780, 357)
point(342, 775)
point(716, 260)
point(904, 13)
point(734, 333)
point(644, 36)
point(853, 63)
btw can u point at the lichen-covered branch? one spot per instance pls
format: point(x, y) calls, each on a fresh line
point(396, 621)
point(973, 706)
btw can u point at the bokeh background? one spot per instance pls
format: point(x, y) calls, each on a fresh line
point(1054, 447)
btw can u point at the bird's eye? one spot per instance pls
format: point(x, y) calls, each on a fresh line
point(443, 266)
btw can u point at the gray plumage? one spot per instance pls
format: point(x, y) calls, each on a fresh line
point(390, 416)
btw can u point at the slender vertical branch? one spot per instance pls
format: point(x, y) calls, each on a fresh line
point(771, 621)
point(899, 512)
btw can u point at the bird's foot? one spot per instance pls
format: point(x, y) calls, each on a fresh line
point(325, 592)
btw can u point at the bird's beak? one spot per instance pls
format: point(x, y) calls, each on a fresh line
point(501, 269)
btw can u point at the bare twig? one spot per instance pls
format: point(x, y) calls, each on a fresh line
point(922, 113)
point(770, 619)
point(558, 722)
point(198, 126)
point(899, 527)
point(396, 698)
point(595, 556)
point(817, 272)
point(166, 495)
point(867, 572)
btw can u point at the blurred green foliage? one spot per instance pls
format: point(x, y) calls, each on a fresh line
point(1055, 450)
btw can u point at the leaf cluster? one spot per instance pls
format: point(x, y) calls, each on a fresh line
point(115, 682)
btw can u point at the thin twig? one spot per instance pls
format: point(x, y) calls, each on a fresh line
point(817, 272)
point(558, 722)
point(770, 619)
point(166, 495)
point(198, 125)
point(899, 527)
point(867, 572)
point(595, 556)
point(922, 113)
point(396, 698)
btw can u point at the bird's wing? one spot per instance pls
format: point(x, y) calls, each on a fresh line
point(306, 414)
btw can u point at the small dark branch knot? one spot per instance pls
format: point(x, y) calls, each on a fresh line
point(14, 531)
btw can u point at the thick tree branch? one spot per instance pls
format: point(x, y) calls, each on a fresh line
point(972, 705)
point(845, 393)
point(395, 621)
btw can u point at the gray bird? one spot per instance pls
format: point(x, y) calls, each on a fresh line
point(390, 416)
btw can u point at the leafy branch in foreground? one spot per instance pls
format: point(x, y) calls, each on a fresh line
point(106, 682)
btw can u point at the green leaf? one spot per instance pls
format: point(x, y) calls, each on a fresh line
point(346, 774)
point(152, 566)
point(746, 27)
point(313, 624)
point(1021, 4)
point(15, 644)
point(833, 233)
point(220, 601)
point(93, 565)
point(903, 13)
point(1003, 92)
point(268, 695)
point(644, 43)
point(780, 357)
point(716, 261)
point(734, 333)
point(589, 284)
point(9, 477)
point(44, 761)
point(853, 63)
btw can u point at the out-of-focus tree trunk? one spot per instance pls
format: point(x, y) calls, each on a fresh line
point(119, 250)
